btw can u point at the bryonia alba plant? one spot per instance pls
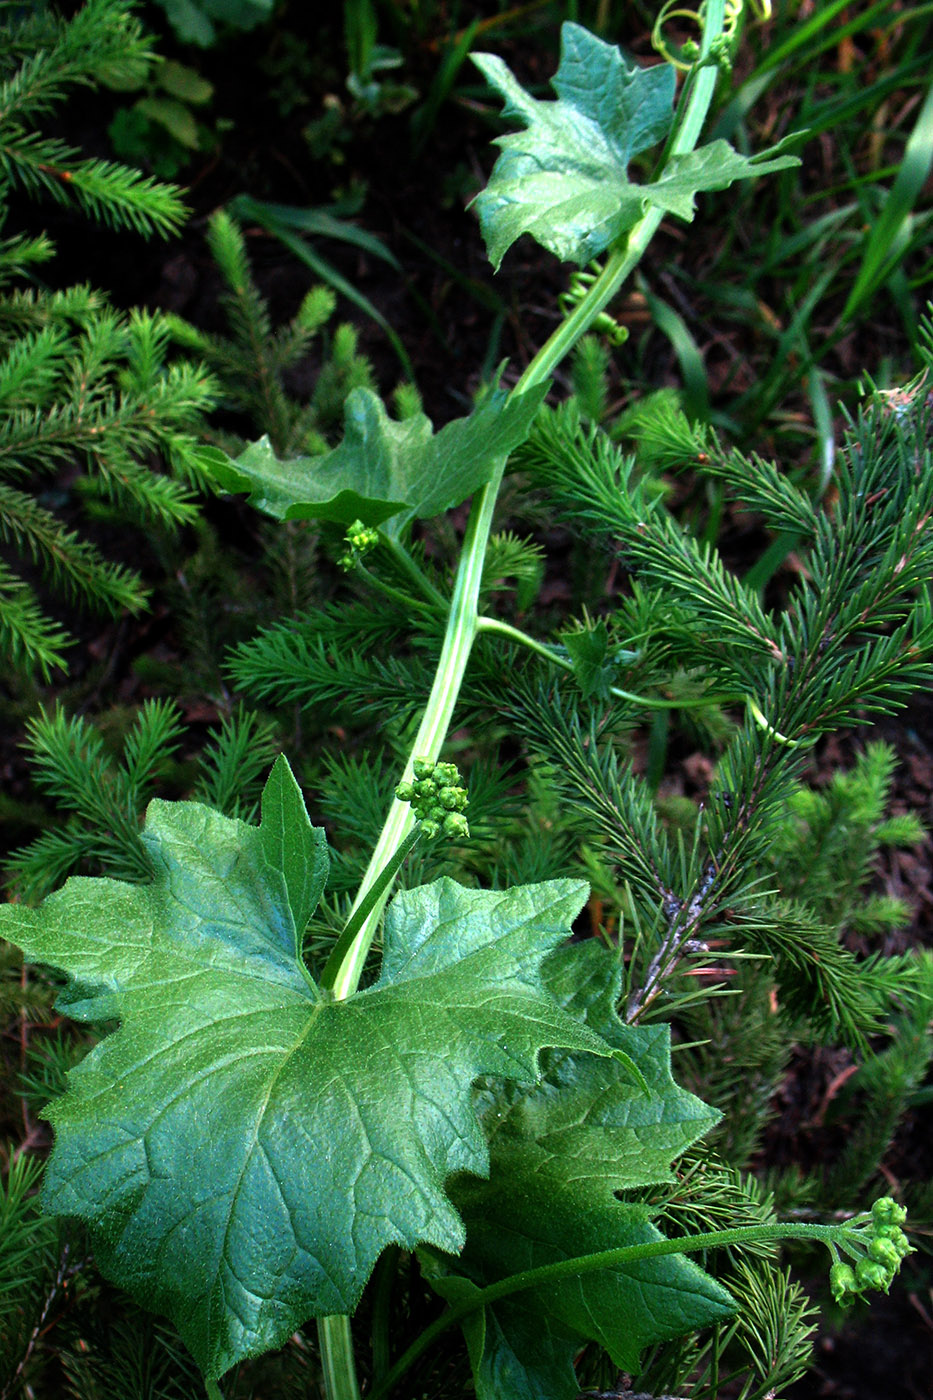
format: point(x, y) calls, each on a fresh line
point(258, 1136)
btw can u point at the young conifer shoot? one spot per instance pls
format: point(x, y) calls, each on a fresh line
point(80, 382)
point(464, 1081)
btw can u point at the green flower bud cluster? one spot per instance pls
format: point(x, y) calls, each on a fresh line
point(877, 1247)
point(361, 539)
point(437, 798)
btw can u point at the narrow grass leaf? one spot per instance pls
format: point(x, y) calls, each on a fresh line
point(890, 235)
point(689, 356)
point(326, 270)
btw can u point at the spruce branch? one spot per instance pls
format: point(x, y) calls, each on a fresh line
point(32, 1271)
point(594, 485)
point(27, 636)
point(107, 793)
point(855, 638)
point(618, 801)
point(234, 764)
point(99, 392)
point(70, 562)
point(112, 194)
point(30, 367)
point(251, 361)
point(79, 380)
point(670, 442)
point(102, 43)
point(71, 765)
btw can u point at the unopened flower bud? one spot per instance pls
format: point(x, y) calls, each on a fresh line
point(436, 796)
point(886, 1211)
point(362, 537)
point(843, 1283)
point(883, 1252)
point(868, 1274)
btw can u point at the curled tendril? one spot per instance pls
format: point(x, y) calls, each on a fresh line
point(765, 724)
point(604, 324)
point(685, 55)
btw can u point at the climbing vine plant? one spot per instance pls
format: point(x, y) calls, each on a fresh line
point(253, 1138)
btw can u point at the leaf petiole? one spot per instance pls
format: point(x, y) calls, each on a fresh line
point(451, 667)
point(359, 916)
point(337, 1357)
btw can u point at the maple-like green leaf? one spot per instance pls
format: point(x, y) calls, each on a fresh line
point(712, 167)
point(564, 179)
point(243, 1147)
point(560, 1151)
point(382, 468)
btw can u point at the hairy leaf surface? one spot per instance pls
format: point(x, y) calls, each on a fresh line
point(564, 179)
point(560, 1151)
point(383, 468)
point(242, 1147)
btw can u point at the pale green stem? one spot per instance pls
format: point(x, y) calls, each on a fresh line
point(337, 1362)
point(764, 723)
point(213, 1390)
point(405, 562)
point(515, 634)
point(359, 917)
point(334, 1332)
point(405, 601)
point(455, 653)
point(463, 617)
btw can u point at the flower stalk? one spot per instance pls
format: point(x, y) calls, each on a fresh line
point(858, 1237)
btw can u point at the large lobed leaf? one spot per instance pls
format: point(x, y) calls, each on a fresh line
point(564, 179)
point(243, 1147)
point(382, 468)
point(560, 1151)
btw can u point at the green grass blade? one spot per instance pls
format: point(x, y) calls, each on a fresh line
point(764, 568)
point(890, 236)
point(302, 250)
point(804, 44)
point(819, 33)
point(823, 419)
point(422, 121)
point(689, 356)
point(319, 222)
